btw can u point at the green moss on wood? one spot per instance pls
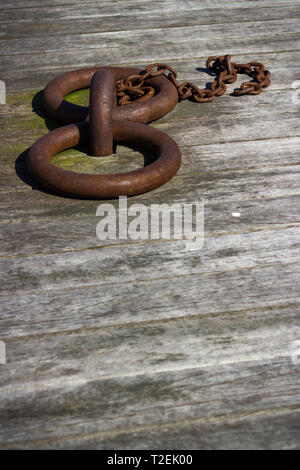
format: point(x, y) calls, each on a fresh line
point(26, 121)
point(22, 98)
point(80, 97)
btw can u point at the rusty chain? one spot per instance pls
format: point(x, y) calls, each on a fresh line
point(133, 89)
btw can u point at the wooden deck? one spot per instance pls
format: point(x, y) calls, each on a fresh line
point(144, 344)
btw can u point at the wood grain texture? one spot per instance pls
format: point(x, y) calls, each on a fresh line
point(148, 344)
point(161, 298)
point(189, 403)
point(156, 346)
point(223, 187)
point(177, 36)
point(49, 26)
point(147, 261)
point(139, 53)
point(72, 231)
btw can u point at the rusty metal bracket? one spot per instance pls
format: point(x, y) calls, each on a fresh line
point(122, 101)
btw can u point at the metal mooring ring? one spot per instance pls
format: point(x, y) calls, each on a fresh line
point(91, 186)
point(163, 102)
point(105, 123)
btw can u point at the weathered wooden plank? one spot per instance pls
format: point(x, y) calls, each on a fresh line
point(147, 261)
point(101, 411)
point(196, 342)
point(207, 187)
point(106, 304)
point(270, 430)
point(91, 9)
point(243, 155)
point(153, 52)
point(69, 232)
point(53, 26)
point(226, 129)
point(125, 39)
point(19, 4)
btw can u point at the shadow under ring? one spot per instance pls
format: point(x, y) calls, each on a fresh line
point(98, 186)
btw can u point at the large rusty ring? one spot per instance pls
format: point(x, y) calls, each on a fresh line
point(105, 123)
point(92, 186)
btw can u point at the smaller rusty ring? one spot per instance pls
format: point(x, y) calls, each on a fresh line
point(99, 186)
point(144, 111)
point(148, 93)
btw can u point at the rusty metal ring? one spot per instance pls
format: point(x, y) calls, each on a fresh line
point(91, 186)
point(163, 102)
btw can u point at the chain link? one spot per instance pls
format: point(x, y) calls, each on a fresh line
point(133, 89)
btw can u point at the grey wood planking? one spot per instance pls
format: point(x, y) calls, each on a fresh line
point(122, 39)
point(127, 8)
point(193, 351)
point(172, 400)
point(19, 4)
point(186, 48)
point(57, 26)
point(156, 346)
point(162, 298)
point(71, 232)
point(249, 431)
point(147, 261)
point(202, 187)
